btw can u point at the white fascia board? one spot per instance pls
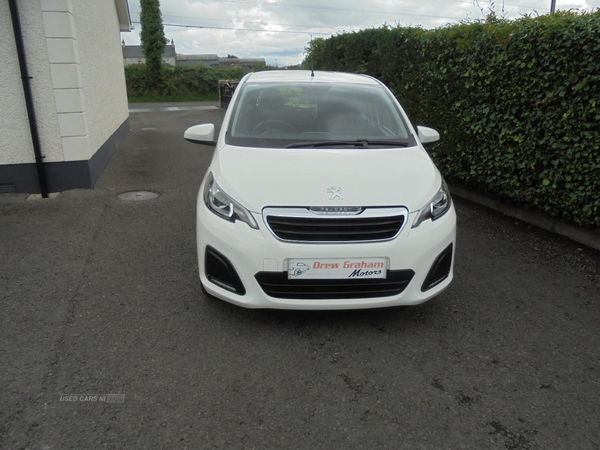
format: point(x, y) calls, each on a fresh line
point(123, 15)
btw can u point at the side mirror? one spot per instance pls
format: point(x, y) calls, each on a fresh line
point(201, 134)
point(427, 135)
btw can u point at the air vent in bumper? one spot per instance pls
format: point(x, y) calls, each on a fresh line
point(440, 269)
point(277, 284)
point(220, 271)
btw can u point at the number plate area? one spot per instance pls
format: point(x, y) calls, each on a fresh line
point(337, 268)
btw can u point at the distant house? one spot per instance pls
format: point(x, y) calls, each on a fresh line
point(214, 60)
point(63, 101)
point(242, 62)
point(134, 54)
point(194, 60)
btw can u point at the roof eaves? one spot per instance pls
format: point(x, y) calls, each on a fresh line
point(123, 15)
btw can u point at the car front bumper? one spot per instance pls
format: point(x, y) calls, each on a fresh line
point(249, 252)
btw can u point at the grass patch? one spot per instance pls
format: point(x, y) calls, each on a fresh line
point(175, 98)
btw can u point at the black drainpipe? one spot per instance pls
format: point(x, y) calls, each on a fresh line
point(25, 78)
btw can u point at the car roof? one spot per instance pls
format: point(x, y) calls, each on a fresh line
point(299, 76)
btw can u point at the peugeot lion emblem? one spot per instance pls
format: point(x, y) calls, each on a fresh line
point(336, 193)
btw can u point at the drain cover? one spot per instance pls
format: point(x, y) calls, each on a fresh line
point(137, 196)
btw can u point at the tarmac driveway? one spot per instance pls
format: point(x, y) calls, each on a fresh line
point(106, 340)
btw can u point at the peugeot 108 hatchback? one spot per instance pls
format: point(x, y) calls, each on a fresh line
point(320, 195)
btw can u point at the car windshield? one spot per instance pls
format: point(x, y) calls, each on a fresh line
point(298, 115)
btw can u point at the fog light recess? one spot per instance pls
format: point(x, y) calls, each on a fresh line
point(440, 269)
point(219, 270)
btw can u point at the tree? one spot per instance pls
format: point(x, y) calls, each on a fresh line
point(153, 39)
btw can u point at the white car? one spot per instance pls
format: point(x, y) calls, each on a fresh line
point(320, 195)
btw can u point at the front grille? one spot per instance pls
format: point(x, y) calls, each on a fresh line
point(300, 225)
point(278, 285)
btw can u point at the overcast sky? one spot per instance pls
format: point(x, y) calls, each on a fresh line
point(279, 30)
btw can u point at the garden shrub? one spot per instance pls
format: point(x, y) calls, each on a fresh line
point(179, 81)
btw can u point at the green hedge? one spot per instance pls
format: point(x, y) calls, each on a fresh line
point(179, 81)
point(517, 103)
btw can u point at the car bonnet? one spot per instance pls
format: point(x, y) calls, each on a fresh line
point(260, 177)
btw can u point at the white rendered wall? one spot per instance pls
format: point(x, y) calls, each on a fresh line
point(13, 114)
point(67, 83)
point(101, 62)
point(74, 57)
point(15, 136)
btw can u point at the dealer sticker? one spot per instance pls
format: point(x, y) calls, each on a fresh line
point(337, 268)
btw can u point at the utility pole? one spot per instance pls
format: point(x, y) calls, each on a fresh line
point(552, 6)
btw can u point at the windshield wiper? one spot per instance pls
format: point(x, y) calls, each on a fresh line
point(364, 143)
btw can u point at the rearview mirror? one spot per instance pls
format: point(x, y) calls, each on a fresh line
point(427, 135)
point(201, 134)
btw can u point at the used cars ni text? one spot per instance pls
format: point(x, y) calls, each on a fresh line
point(320, 195)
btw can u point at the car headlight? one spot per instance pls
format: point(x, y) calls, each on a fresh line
point(436, 208)
point(223, 205)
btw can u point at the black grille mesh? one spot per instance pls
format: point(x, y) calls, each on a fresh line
point(319, 229)
point(277, 284)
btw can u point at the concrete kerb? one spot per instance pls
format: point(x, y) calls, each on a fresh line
point(586, 237)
